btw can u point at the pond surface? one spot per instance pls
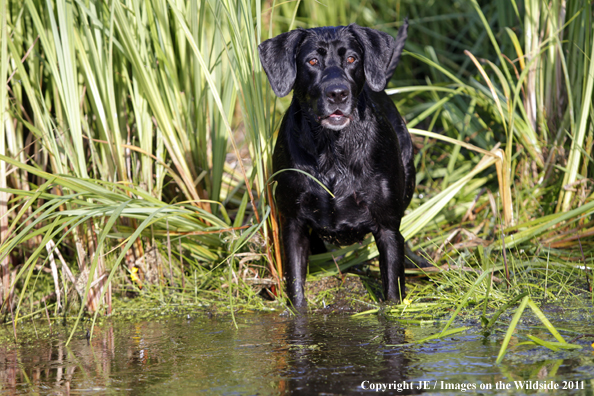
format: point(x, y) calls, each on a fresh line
point(271, 354)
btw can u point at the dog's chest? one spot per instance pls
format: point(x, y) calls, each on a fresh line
point(346, 217)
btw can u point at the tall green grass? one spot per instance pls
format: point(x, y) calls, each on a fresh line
point(130, 128)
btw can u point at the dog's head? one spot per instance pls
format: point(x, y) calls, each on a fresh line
point(328, 67)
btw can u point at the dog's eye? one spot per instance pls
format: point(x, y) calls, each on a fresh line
point(313, 61)
point(351, 59)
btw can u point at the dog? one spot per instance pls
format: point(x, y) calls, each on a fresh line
point(343, 131)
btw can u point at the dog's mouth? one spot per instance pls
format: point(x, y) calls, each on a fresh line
point(336, 120)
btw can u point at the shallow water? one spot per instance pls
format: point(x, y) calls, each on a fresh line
point(275, 354)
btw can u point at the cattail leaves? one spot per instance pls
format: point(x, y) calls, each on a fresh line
point(577, 142)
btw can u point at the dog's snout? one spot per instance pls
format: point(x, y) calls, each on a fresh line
point(337, 93)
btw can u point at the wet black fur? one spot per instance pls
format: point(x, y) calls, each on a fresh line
point(344, 130)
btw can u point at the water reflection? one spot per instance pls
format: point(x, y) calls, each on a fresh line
point(266, 354)
point(43, 363)
point(342, 357)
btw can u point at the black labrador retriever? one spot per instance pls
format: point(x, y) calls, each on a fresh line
point(344, 130)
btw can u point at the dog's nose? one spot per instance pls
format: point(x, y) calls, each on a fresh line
point(337, 93)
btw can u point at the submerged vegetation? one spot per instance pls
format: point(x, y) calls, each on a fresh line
point(136, 138)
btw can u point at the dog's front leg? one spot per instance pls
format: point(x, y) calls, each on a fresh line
point(296, 246)
point(390, 245)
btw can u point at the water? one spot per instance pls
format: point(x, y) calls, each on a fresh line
point(271, 354)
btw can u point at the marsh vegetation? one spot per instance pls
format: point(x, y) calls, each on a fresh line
point(136, 138)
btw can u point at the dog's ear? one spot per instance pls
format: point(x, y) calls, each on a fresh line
point(381, 53)
point(398, 47)
point(277, 56)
